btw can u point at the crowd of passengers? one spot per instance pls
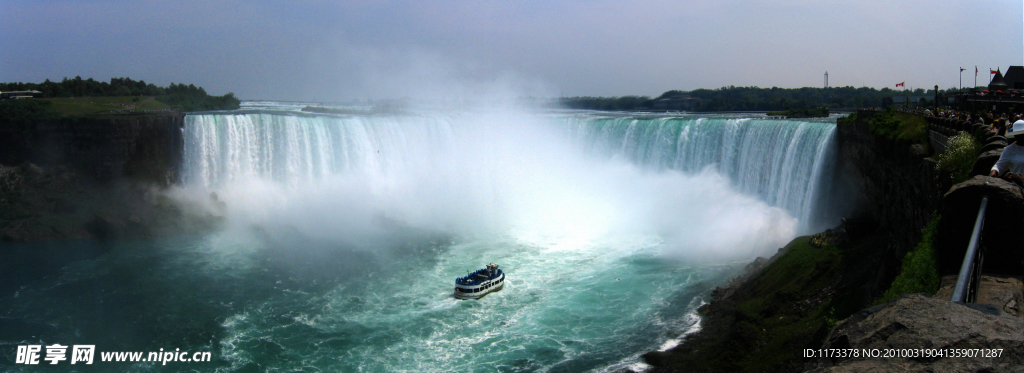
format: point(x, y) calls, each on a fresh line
point(1010, 165)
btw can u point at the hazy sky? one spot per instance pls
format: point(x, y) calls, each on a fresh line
point(343, 50)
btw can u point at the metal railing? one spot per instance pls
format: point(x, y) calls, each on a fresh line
point(966, 290)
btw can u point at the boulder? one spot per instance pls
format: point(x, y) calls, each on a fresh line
point(918, 321)
point(985, 161)
point(996, 138)
point(1003, 218)
point(1003, 292)
point(993, 145)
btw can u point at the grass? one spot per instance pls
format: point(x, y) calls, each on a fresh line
point(775, 319)
point(87, 106)
point(920, 271)
point(899, 126)
point(772, 317)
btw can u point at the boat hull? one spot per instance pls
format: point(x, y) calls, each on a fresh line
point(461, 293)
point(478, 295)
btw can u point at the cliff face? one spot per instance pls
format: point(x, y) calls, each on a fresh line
point(899, 188)
point(145, 148)
point(94, 178)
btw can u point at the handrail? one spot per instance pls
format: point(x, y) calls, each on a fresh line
point(970, 269)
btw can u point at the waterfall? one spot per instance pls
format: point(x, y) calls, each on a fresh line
point(784, 163)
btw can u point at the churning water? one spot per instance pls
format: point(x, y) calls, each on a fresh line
point(344, 234)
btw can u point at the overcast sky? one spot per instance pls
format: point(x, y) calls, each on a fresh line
point(344, 50)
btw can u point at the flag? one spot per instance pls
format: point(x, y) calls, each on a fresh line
point(975, 71)
point(962, 69)
point(990, 71)
point(900, 84)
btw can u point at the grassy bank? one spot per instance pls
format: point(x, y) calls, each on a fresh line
point(764, 323)
point(81, 106)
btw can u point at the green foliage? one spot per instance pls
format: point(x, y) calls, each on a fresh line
point(900, 126)
point(87, 106)
point(920, 272)
point(959, 157)
point(734, 98)
point(776, 322)
point(820, 112)
point(192, 98)
point(623, 103)
point(180, 96)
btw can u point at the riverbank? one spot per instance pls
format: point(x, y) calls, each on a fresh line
point(763, 321)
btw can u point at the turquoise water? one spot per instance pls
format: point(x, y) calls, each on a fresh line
point(268, 305)
point(344, 236)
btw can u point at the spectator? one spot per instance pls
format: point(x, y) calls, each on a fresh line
point(1010, 165)
point(1017, 121)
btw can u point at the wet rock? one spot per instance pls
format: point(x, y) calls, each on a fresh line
point(105, 227)
point(918, 321)
point(656, 358)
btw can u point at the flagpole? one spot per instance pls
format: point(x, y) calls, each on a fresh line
point(975, 76)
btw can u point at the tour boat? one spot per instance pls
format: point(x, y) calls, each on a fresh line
point(480, 283)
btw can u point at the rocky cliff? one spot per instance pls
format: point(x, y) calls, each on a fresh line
point(899, 187)
point(144, 148)
point(96, 178)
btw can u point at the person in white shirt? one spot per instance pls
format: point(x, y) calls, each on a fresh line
point(1010, 165)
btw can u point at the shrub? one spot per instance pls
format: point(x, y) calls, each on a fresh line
point(959, 157)
point(899, 126)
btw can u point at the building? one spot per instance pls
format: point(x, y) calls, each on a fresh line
point(14, 95)
point(1014, 79)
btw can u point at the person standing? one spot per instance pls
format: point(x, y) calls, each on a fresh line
point(1010, 165)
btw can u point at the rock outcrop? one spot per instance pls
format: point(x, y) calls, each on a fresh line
point(987, 159)
point(918, 321)
point(1004, 217)
point(1003, 292)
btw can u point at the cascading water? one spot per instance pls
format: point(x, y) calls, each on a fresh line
point(783, 162)
point(343, 235)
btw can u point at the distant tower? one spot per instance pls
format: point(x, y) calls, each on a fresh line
point(826, 79)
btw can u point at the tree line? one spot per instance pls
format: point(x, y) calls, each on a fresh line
point(734, 98)
point(180, 96)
